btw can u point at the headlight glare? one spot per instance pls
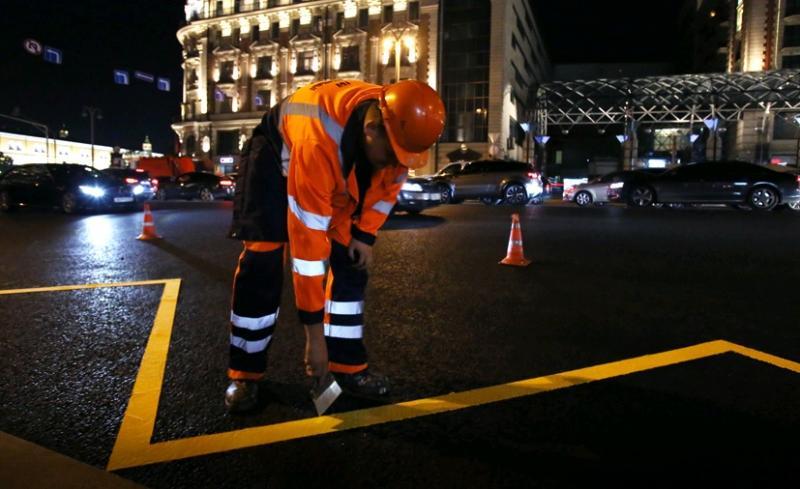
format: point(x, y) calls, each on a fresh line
point(95, 192)
point(412, 187)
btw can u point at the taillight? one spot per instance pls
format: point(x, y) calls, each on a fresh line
point(797, 179)
point(154, 182)
point(225, 183)
point(131, 180)
point(533, 175)
point(139, 170)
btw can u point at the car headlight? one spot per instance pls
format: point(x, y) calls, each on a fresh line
point(617, 185)
point(96, 192)
point(412, 187)
point(138, 190)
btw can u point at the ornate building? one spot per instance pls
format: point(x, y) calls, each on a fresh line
point(240, 57)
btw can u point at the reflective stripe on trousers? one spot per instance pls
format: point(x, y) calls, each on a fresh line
point(344, 312)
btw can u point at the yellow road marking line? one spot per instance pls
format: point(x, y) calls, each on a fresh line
point(133, 448)
point(61, 288)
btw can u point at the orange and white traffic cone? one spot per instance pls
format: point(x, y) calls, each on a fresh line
point(515, 255)
point(149, 228)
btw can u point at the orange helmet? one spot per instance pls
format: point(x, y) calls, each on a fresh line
point(413, 115)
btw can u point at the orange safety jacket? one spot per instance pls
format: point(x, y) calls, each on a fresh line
point(321, 200)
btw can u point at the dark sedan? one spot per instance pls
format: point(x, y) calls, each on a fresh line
point(71, 188)
point(418, 194)
point(733, 182)
point(195, 185)
point(137, 180)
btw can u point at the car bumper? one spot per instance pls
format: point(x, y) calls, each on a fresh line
point(418, 200)
point(791, 197)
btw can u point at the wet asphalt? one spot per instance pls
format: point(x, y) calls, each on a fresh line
point(442, 316)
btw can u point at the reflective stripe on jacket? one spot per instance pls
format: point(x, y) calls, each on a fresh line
point(321, 200)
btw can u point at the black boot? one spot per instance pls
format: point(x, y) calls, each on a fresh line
point(364, 384)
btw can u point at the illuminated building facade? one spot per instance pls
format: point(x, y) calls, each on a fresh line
point(241, 57)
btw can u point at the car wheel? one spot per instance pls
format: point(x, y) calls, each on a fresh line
point(446, 196)
point(763, 198)
point(5, 202)
point(161, 194)
point(583, 198)
point(206, 195)
point(69, 203)
point(515, 194)
point(795, 206)
point(642, 196)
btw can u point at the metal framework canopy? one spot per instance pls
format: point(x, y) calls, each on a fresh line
point(665, 99)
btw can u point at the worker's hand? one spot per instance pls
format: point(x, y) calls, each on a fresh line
point(316, 355)
point(360, 253)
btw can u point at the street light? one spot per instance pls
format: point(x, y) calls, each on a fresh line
point(542, 140)
point(92, 113)
point(622, 138)
point(797, 149)
point(712, 125)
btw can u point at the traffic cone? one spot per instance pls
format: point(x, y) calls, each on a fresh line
point(515, 255)
point(149, 227)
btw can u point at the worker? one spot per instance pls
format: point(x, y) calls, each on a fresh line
point(321, 172)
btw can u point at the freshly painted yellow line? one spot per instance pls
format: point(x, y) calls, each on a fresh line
point(133, 447)
point(61, 288)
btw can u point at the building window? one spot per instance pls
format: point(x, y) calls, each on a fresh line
point(316, 24)
point(388, 14)
point(263, 99)
point(339, 20)
point(237, 37)
point(276, 31)
point(220, 10)
point(295, 27)
point(226, 72)
point(363, 18)
point(237, 6)
point(792, 7)
point(791, 36)
point(224, 105)
point(191, 78)
point(791, 62)
point(350, 59)
point(227, 142)
point(263, 66)
point(465, 74)
point(304, 62)
point(256, 33)
point(413, 11)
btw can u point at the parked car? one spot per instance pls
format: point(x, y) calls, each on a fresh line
point(71, 188)
point(138, 180)
point(418, 194)
point(596, 191)
point(195, 185)
point(619, 190)
point(733, 182)
point(491, 181)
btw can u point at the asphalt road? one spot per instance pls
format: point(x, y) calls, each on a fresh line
point(606, 285)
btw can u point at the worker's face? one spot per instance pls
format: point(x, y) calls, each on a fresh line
point(377, 146)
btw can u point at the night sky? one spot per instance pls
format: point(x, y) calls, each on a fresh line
point(97, 36)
